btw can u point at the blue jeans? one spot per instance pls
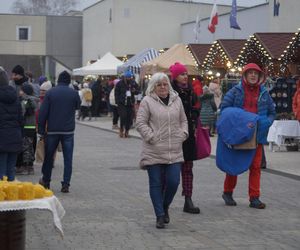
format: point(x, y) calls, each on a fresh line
point(162, 198)
point(51, 143)
point(7, 165)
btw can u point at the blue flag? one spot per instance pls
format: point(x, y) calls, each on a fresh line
point(233, 21)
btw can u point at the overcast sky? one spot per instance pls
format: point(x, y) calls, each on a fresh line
point(5, 5)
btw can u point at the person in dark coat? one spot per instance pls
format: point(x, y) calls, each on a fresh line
point(57, 113)
point(180, 84)
point(125, 91)
point(10, 127)
point(97, 92)
point(18, 78)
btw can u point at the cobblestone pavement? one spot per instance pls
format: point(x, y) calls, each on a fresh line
point(108, 206)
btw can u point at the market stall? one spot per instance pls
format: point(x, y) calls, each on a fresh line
point(268, 50)
point(135, 62)
point(199, 52)
point(107, 65)
point(177, 53)
point(221, 56)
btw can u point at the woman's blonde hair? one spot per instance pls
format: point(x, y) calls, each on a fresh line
point(155, 79)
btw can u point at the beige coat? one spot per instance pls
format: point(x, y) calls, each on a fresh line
point(163, 128)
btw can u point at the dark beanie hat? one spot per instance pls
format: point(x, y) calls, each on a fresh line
point(3, 77)
point(19, 70)
point(64, 77)
point(27, 89)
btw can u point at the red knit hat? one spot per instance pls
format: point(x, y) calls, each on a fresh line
point(176, 69)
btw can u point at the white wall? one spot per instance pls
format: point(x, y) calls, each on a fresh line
point(288, 19)
point(136, 24)
point(97, 31)
point(9, 45)
point(251, 20)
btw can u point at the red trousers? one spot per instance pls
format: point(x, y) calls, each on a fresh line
point(254, 176)
point(187, 178)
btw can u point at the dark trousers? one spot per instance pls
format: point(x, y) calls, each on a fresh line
point(163, 183)
point(126, 113)
point(51, 143)
point(85, 111)
point(187, 178)
point(115, 114)
point(96, 107)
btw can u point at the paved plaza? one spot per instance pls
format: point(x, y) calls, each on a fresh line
point(109, 207)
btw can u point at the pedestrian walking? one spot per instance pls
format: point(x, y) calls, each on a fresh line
point(112, 102)
point(180, 84)
point(18, 78)
point(162, 123)
point(11, 122)
point(29, 104)
point(125, 90)
point(58, 113)
point(253, 97)
point(208, 110)
point(86, 97)
point(296, 102)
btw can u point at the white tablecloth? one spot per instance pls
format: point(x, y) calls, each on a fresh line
point(49, 203)
point(280, 130)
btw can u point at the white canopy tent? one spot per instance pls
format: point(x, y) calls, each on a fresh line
point(107, 65)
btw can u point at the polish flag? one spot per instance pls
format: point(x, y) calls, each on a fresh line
point(213, 21)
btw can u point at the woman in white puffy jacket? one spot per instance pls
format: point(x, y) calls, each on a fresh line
point(162, 123)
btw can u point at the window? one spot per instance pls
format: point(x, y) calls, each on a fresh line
point(23, 33)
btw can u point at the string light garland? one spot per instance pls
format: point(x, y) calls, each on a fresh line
point(254, 51)
point(290, 53)
point(216, 56)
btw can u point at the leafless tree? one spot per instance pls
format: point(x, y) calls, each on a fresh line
point(43, 7)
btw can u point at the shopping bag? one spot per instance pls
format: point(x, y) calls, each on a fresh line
point(40, 151)
point(251, 144)
point(203, 146)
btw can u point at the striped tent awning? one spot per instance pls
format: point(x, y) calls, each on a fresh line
point(135, 62)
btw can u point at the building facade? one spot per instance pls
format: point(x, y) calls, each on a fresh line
point(262, 18)
point(129, 26)
point(40, 43)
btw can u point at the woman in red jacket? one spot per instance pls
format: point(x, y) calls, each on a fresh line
point(296, 102)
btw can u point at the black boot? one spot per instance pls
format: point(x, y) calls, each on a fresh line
point(227, 197)
point(189, 206)
point(160, 222)
point(167, 217)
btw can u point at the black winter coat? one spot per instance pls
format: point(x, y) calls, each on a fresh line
point(120, 92)
point(188, 100)
point(11, 121)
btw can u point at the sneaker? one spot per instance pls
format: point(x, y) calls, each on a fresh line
point(160, 222)
point(227, 197)
point(44, 184)
point(65, 188)
point(256, 203)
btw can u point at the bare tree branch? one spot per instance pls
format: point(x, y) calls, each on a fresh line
point(43, 7)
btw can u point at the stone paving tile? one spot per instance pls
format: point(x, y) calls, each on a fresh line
point(108, 206)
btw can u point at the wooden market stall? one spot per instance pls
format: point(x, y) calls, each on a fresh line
point(221, 56)
point(270, 52)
